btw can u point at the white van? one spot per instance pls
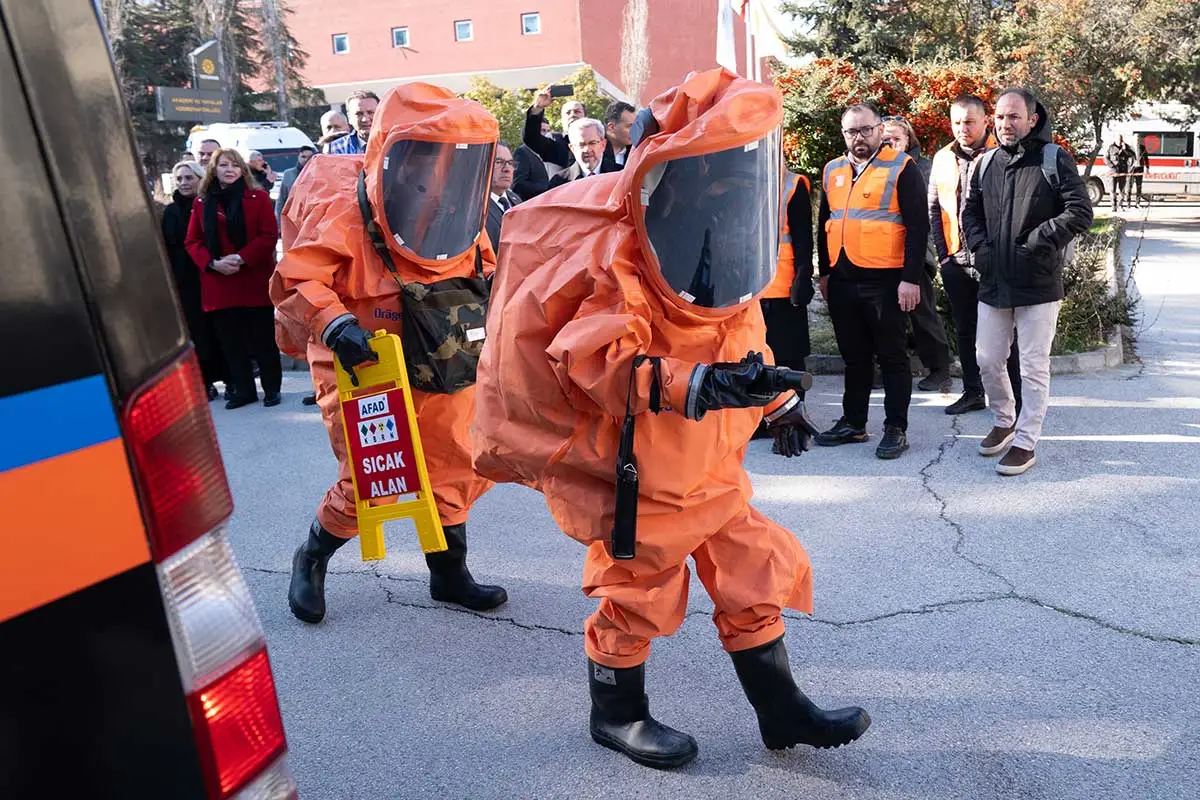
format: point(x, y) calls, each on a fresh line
point(1173, 150)
point(277, 141)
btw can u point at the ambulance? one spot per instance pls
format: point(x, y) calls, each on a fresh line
point(278, 142)
point(1174, 152)
point(132, 660)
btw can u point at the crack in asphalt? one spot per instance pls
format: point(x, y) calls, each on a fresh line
point(926, 473)
point(960, 540)
point(927, 608)
point(525, 626)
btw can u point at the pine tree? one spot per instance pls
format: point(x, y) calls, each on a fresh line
point(153, 52)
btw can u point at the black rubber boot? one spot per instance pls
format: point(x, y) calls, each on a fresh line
point(450, 581)
point(306, 594)
point(785, 716)
point(621, 719)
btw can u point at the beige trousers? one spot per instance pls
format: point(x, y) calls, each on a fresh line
point(1035, 326)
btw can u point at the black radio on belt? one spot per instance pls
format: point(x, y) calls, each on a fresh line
point(624, 532)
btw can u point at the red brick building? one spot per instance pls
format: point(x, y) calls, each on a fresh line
point(377, 44)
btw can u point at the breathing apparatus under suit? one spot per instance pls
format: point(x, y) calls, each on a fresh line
point(426, 171)
point(638, 290)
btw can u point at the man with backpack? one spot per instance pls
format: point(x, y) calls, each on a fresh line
point(1025, 205)
point(365, 237)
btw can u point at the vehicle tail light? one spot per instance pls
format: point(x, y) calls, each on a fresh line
point(218, 638)
point(238, 718)
point(170, 432)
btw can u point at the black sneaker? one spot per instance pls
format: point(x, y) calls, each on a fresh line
point(271, 399)
point(970, 401)
point(842, 432)
point(893, 444)
point(309, 399)
point(937, 380)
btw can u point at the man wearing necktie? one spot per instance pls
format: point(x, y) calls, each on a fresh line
point(502, 196)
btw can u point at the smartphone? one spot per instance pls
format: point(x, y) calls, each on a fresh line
point(562, 90)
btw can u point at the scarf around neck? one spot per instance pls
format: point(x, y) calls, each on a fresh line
point(229, 198)
point(184, 204)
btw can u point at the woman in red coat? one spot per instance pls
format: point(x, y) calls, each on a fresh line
point(231, 238)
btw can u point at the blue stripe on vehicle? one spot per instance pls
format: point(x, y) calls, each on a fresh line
point(54, 420)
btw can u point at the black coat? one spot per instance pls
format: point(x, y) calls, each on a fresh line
point(175, 220)
point(495, 219)
point(529, 178)
point(557, 148)
point(1018, 227)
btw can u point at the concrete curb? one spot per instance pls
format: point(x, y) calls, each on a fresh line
point(1111, 355)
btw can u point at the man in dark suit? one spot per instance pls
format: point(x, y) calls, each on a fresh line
point(587, 145)
point(289, 177)
point(530, 178)
point(554, 149)
point(502, 197)
point(618, 119)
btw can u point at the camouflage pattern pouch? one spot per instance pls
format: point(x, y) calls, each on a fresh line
point(442, 330)
point(441, 323)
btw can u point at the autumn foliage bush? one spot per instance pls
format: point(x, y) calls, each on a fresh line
point(815, 95)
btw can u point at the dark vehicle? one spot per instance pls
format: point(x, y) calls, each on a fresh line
point(132, 661)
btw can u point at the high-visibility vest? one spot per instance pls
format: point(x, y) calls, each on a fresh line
point(785, 269)
point(945, 177)
point(864, 214)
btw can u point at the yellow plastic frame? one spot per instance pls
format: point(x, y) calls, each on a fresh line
point(389, 373)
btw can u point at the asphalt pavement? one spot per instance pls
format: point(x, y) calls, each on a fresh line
point(1027, 637)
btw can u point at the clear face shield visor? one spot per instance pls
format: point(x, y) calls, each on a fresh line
point(713, 222)
point(435, 194)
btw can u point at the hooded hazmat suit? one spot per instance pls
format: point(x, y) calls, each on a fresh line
point(427, 168)
point(590, 279)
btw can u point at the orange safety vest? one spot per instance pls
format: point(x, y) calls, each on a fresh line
point(864, 214)
point(785, 270)
point(945, 177)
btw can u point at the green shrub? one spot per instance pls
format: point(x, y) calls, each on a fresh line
point(1090, 312)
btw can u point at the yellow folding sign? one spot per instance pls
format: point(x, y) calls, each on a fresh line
point(386, 459)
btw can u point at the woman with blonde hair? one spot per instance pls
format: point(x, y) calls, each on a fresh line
point(187, 175)
point(231, 240)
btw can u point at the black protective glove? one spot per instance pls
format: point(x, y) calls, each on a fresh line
point(350, 343)
point(743, 384)
point(802, 291)
point(792, 430)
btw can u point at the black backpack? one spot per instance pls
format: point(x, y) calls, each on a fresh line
point(441, 323)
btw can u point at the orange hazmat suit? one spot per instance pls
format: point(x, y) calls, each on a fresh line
point(579, 293)
point(330, 269)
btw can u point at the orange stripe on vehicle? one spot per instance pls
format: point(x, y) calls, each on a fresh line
point(70, 522)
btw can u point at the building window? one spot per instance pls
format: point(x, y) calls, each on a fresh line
point(341, 44)
point(531, 24)
point(399, 37)
point(464, 31)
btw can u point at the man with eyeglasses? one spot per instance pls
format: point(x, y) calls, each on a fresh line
point(872, 231)
point(587, 146)
point(502, 197)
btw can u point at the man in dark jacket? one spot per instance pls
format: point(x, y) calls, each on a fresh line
point(556, 149)
point(289, 177)
point(588, 148)
point(1018, 224)
point(1120, 158)
point(947, 194)
point(530, 177)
